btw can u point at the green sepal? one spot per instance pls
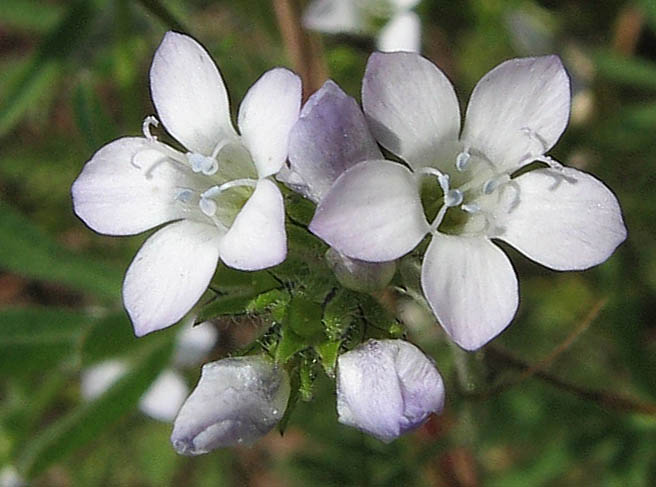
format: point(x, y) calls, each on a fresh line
point(306, 376)
point(290, 343)
point(304, 317)
point(328, 353)
point(295, 383)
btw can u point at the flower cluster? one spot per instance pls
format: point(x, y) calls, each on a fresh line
point(458, 190)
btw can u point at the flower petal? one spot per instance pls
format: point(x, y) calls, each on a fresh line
point(257, 238)
point(127, 188)
point(401, 33)
point(169, 274)
point(165, 396)
point(368, 392)
point(470, 286)
point(333, 16)
point(237, 400)
point(518, 109)
point(330, 136)
point(373, 212)
point(189, 94)
point(387, 387)
point(565, 220)
point(266, 115)
point(411, 106)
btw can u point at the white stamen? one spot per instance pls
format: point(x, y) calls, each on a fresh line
point(212, 192)
point(442, 178)
point(471, 208)
point(218, 147)
point(552, 163)
point(145, 127)
point(453, 198)
point(462, 161)
point(207, 206)
point(445, 183)
point(238, 182)
point(438, 219)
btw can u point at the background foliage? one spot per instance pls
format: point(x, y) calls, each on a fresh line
point(567, 396)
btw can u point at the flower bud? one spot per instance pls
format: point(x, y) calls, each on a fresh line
point(387, 387)
point(359, 275)
point(236, 401)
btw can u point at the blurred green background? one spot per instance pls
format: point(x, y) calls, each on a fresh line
point(565, 397)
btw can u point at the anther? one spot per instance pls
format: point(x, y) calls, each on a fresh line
point(201, 163)
point(471, 208)
point(207, 206)
point(453, 198)
point(490, 185)
point(145, 127)
point(184, 195)
point(462, 161)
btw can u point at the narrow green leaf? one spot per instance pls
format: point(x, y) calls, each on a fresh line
point(229, 304)
point(87, 421)
point(33, 339)
point(31, 15)
point(93, 122)
point(46, 64)
point(26, 250)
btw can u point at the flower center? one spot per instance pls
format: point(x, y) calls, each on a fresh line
point(470, 190)
point(472, 187)
point(213, 186)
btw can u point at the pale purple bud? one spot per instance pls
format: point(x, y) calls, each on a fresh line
point(330, 136)
point(387, 387)
point(360, 275)
point(237, 401)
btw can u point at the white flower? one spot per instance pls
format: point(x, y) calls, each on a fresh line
point(217, 194)
point(236, 401)
point(386, 388)
point(560, 217)
point(395, 25)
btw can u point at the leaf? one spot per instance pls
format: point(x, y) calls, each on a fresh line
point(30, 15)
point(87, 421)
point(33, 339)
point(28, 251)
point(91, 119)
point(229, 304)
point(46, 64)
